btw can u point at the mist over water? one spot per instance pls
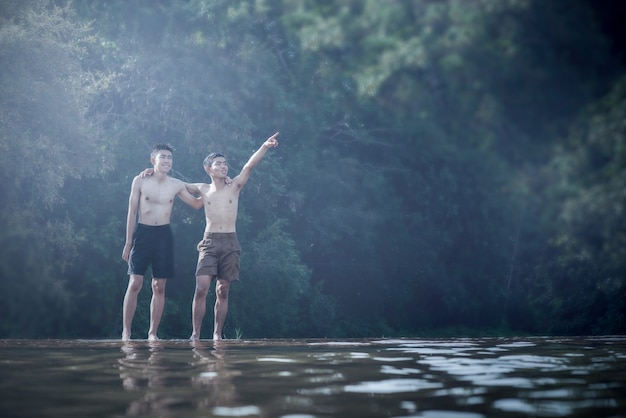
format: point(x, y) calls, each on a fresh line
point(463, 378)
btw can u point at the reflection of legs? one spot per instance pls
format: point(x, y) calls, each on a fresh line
point(198, 306)
point(156, 307)
point(212, 358)
point(130, 304)
point(126, 370)
point(221, 307)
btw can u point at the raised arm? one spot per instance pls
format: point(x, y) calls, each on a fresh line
point(258, 155)
point(131, 217)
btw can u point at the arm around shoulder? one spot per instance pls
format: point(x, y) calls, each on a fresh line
point(187, 193)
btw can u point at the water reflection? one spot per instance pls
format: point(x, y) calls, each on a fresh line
point(146, 369)
point(464, 378)
point(214, 376)
point(142, 369)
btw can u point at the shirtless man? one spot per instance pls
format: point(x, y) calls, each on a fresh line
point(219, 250)
point(151, 242)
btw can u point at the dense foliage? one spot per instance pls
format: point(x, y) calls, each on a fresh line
point(445, 167)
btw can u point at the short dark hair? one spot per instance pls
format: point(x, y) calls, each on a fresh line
point(211, 157)
point(161, 147)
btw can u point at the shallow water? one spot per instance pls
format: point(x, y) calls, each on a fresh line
point(458, 378)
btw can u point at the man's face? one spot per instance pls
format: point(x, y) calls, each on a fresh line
point(219, 167)
point(162, 161)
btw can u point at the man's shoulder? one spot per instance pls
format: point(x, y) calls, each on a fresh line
point(174, 184)
point(175, 181)
point(139, 183)
point(237, 183)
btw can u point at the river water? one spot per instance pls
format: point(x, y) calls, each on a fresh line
point(432, 378)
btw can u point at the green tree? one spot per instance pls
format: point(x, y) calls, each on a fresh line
point(179, 82)
point(410, 193)
point(584, 282)
point(47, 138)
point(452, 103)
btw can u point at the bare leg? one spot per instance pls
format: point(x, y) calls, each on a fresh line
point(221, 307)
point(156, 306)
point(198, 306)
point(130, 304)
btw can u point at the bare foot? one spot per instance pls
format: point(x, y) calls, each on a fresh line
point(217, 337)
point(153, 337)
point(125, 336)
point(194, 337)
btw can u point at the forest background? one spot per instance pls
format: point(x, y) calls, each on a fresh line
point(449, 167)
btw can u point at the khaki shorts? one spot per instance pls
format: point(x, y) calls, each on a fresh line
point(219, 255)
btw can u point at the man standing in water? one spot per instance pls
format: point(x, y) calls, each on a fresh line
point(219, 250)
point(151, 242)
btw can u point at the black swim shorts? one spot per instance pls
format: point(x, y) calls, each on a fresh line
point(219, 255)
point(152, 245)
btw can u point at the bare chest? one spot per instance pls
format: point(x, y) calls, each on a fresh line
point(157, 194)
point(221, 201)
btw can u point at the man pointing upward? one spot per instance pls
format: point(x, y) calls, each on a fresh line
point(219, 251)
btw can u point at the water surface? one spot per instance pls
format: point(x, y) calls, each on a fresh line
point(458, 378)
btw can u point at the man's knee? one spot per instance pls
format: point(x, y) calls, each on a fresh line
point(158, 286)
point(134, 283)
point(222, 288)
point(203, 283)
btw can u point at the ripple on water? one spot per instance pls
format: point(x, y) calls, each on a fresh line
point(454, 378)
point(236, 411)
point(392, 386)
point(449, 414)
point(277, 359)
